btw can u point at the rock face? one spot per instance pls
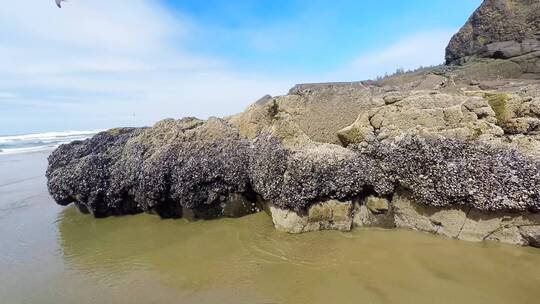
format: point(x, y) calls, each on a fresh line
point(509, 25)
point(328, 215)
point(451, 150)
point(297, 179)
point(501, 29)
point(463, 223)
point(173, 166)
point(466, 223)
point(317, 111)
point(374, 211)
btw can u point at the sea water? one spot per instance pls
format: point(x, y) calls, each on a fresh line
point(53, 254)
point(13, 144)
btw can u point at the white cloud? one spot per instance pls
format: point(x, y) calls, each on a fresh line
point(134, 25)
point(102, 63)
point(420, 49)
point(110, 63)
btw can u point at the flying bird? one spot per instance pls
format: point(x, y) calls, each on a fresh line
point(59, 3)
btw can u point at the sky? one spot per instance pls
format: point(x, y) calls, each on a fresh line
point(97, 64)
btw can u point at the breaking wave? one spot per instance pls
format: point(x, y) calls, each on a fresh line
point(14, 144)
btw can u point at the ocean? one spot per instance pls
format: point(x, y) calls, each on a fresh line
point(15, 144)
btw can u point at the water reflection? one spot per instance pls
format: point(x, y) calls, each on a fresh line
point(50, 254)
point(246, 261)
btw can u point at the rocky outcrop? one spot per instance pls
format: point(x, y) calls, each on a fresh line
point(498, 29)
point(328, 215)
point(455, 154)
point(463, 223)
point(451, 150)
point(189, 165)
point(374, 211)
point(429, 114)
point(507, 119)
point(316, 110)
point(501, 29)
point(296, 179)
point(466, 223)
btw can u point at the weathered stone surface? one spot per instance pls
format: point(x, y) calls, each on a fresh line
point(499, 29)
point(287, 220)
point(328, 215)
point(78, 173)
point(360, 131)
point(428, 115)
point(407, 214)
point(433, 82)
point(393, 97)
point(489, 69)
point(295, 178)
point(235, 205)
point(374, 212)
point(466, 223)
point(377, 205)
point(446, 172)
point(440, 172)
point(317, 110)
point(503, 227)
point(531, 234)
point(487, 116)
point(174, 165)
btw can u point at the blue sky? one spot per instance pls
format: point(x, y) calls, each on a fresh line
point(104, 63)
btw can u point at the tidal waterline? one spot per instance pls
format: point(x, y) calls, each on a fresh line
point(50, 254)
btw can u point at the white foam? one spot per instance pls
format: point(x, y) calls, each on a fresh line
point(26, 150)
point(46, 136)
point(14, 144)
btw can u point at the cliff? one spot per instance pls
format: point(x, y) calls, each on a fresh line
point(453, 150)
point(501, 29)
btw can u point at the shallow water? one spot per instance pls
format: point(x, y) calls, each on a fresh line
point(50, 254)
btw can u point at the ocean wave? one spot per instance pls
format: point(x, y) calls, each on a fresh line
point(46, 136)
point(14, 144)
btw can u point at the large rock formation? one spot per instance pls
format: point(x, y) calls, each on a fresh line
point(501, 29)
point(452, 150)
point(189, 165)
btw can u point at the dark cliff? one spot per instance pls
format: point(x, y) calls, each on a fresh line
point(498, 29)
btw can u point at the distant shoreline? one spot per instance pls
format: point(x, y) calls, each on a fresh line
point(33, 142)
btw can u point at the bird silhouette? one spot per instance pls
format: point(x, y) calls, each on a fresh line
point(59, 3)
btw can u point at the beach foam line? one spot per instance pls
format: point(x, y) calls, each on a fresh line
point(46, 136)
point(27, 150)
point(15, 144)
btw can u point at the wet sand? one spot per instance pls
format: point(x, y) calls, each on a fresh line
point(51, 254)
